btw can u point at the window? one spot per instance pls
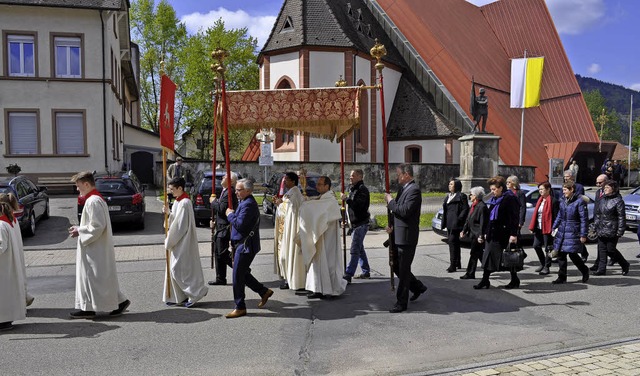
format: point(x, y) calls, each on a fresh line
point(70, 133)
point(21, 61)
point(413, 154)
point(285, 140)
point(361, 135)
point(23, 133)
point(68, 57)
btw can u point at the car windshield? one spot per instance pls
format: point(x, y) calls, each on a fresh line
point(115, 187)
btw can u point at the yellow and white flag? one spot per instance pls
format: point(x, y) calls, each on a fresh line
point(526, 81)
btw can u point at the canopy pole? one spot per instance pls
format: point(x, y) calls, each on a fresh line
point(219, 55)
point(216, 103)
point(378, 51)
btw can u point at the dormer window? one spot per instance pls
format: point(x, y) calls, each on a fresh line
point(349, 10)
point(288, 25)
point(359, 14)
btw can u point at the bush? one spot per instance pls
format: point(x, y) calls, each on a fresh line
point(425, 220)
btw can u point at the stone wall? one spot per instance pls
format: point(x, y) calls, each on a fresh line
point(430, 177)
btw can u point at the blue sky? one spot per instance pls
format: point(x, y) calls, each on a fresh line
point(599, 36)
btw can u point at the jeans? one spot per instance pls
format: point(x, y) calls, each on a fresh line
point(358, 255)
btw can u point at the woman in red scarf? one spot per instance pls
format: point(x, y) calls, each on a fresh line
point(541, 223)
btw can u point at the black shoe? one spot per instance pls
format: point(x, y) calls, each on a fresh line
point(347, 278)
point(638, 255)
point(512, 285)
point(82, 315)
point(594, 268)
point(625, 269)
point(559, 281)
point(121, 307)
point(284, 286)
point(416, 294)
point(468, 276)
point(539, 268)
point(599, 272)
point(397, 309)
point(362, 276)
point(218, 282)
point(482, 285)
point(585, 277)
point(6, 325)
point(315, 295)
point(451, 269)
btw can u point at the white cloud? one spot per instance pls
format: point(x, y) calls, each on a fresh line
point(258, 27)
point(594, 68)
point(575, 16)
point(635, 87)
point(480, 3)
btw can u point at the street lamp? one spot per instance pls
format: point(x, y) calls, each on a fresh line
point(265, 136)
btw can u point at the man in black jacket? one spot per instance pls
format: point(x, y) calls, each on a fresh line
point(406, 225)
point(358, 219)
point(223, 231)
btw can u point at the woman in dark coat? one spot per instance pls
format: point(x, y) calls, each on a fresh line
point(474, 229)
point(455, 208)
point(544, 215)
point(501, 230)
point(571, 226)
point(610, 224)
point(513, 185)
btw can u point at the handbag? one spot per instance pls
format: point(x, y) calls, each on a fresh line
point(513, 257)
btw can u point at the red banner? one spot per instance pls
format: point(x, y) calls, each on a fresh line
point(167, 102)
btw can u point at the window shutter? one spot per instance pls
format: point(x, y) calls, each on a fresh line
point(69, 133)
point(23, 133)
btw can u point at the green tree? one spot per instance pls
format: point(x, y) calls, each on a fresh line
point(606, 122)
point(199, 82)
point(161, 36)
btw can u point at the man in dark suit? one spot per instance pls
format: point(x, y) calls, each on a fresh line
point(406, 221)
point(223, 230)
point(245, 238)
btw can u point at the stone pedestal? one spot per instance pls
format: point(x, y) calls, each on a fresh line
point(478, 159)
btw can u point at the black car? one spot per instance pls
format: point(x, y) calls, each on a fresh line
point(200, 193)
point(32, 199)
point(124, 195)
point(273, 188)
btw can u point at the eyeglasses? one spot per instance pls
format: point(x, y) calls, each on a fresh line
point(599, 182)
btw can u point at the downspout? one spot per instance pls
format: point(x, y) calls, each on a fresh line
point(355, 83)
point(104, 97)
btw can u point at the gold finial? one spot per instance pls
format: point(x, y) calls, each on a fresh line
point(219, 55)
point(378, 51)
point(341, 82)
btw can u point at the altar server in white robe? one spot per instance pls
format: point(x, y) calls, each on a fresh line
point(290, 261)
point(11, 199)
point(186, 285)
point(12, 292)
point(97, 288)
point(319, 237)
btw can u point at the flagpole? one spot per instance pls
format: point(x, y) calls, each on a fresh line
point(164, 180)
point(630, 134)
point(522, 124)
point(343, 209)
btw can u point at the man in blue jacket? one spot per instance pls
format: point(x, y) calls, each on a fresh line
point(245, 240)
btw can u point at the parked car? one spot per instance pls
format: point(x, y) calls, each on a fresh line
point(632, 209)
point(273, 186)
point(531, 195)
point(124, 195)
point(32, 199)
point(200, 193)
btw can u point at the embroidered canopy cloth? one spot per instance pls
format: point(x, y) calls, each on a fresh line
point(330, 113)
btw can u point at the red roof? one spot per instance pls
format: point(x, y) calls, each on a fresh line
point(458, 41)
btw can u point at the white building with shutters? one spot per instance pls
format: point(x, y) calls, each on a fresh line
point(68, 85)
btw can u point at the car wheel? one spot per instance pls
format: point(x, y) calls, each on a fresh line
point(31, 226)
point(592, 236)
point(46, 212)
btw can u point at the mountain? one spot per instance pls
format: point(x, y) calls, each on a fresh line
point(616, 96)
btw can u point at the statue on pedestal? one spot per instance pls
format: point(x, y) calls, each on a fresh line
point(479, 108)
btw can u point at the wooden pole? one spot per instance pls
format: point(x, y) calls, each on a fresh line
point(166, 219)
point(213, 178)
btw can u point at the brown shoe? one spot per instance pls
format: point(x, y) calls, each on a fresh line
point(236, 313)
point(265, 298)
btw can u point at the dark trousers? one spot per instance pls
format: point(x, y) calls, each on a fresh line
point(477, 249)
point(405, 278)
point(577, 261)
point(223, 257)
point(541, 244)
point(607, 247)
point(242, 277)
point(415, 285)
point(453, 239)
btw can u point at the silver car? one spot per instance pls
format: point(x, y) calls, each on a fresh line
point(632, 209)
point(531, 197)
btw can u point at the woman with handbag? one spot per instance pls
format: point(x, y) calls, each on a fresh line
point(501, 231)
point(541, 225)
point(454, 212)
point(571, 232)
point(610, 224)
point(474, 229)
